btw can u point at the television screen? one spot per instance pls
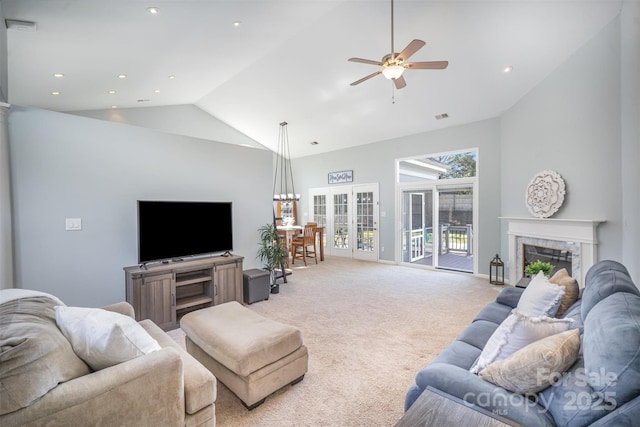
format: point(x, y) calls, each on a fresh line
point(170, 230)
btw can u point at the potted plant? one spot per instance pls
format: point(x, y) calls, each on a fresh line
point(533, 268)
point(271, 252)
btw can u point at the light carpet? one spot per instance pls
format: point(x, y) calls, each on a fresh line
point(369, 328)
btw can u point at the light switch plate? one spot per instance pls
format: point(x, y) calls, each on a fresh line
point(73, 224)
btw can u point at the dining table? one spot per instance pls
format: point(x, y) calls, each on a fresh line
point(290, 231)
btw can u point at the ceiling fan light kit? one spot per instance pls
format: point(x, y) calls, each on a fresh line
point(393, 64)
point(392, 72)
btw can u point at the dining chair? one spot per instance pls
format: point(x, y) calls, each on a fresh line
point(300, 245)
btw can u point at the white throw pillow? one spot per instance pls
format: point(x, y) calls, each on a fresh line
point(103, 338)
point(515, 332)
point(541, 297)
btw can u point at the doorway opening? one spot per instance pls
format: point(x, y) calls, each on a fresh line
point(437, 195)
point(349, 215)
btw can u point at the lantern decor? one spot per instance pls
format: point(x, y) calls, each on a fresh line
point(496, 271)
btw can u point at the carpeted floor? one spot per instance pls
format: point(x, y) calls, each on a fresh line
point(369, 328)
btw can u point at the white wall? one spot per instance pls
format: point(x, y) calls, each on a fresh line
point(376, 163)
point(64, 166)
point(630, 123)
point(4, 71)
point(186, 120)
point(570, 123)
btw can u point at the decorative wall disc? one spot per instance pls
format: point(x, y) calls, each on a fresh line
point(545, 194)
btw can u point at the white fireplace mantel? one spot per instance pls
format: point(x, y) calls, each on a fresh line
point(581, 233)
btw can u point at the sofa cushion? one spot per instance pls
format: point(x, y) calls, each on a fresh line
point(608, 374)
point(535, 366)
point(458, 353)
point(103, 338)
point(515, 332)
point(612, 347)
point(478, 333)
point(604, 279)
point(571, 290)
point(494, 312)
point(35, 357)
point(541, 297)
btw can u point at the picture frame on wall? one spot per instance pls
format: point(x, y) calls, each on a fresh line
point(340, 177)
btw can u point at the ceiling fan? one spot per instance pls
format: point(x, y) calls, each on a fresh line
point(393, 64)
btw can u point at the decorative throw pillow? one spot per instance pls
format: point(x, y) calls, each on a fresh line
point(515, 332)
point(541, 297)
point(535, 366)
point(571, 290)
point(103, 338)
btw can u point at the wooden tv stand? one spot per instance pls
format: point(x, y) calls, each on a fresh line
point(166, 292)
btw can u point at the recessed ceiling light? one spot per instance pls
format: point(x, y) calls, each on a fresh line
point(508, 69)
point(153, 10)
point(114, 106)
point(58, 75)
point(55, 92)
point(112, 92)
point(157, 91)
point(122, 76)
point(237, 23)
point(172, 77)
point(314, 142)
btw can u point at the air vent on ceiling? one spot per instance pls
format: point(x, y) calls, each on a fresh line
point(13, 24)
point(442, 116)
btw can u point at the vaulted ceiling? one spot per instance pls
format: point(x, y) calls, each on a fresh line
point(287, 60)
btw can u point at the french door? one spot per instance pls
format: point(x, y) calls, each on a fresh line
point(350, 217)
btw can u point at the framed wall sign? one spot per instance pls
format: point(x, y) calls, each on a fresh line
point(340, 177)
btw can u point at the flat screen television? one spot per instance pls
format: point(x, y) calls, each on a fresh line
point(169, 230)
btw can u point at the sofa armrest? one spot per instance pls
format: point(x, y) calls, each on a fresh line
point(147, 390)
point(200, 386)
point(510, 296)
point(122, 308)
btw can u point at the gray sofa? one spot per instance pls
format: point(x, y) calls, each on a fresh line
point(601, 389)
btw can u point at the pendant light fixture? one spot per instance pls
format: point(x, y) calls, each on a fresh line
point(283, 175)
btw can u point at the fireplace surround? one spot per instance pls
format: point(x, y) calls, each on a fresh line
point(577, 237)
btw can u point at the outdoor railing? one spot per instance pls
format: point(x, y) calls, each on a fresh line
point(455, 238)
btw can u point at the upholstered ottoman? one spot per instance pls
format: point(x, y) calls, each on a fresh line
point(250, 354)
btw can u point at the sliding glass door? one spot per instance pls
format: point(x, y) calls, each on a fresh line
point(437, 227)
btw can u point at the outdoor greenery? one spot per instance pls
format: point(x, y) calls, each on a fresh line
point(533, 268)
point(270, 251)
point(461, 165)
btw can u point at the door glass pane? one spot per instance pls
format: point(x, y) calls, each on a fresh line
point(365, 221)
point(341, 221)
point(320, 209)
point(320, 214)
point(456, 230)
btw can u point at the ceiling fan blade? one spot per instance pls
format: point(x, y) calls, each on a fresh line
point(433, 65)
point(411, 48)
point(357, 82)
point(400, 82)
point(365, 61)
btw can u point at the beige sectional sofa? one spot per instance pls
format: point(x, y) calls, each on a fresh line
point(166, 387)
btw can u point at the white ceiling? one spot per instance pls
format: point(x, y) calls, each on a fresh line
point(287, 61)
